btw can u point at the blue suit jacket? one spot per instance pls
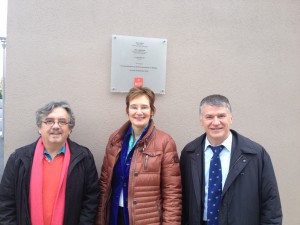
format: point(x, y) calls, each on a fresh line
point(250, 194)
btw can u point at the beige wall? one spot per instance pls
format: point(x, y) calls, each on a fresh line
point(246, 50)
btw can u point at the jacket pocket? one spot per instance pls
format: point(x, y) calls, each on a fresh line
point(152, 161)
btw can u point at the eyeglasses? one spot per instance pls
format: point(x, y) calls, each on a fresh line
point(51, 123)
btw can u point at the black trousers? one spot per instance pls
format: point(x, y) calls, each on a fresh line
point(121, 220)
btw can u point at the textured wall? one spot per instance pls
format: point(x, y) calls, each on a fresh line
point(246, 50)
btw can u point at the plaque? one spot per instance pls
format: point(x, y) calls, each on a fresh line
point(138, 61)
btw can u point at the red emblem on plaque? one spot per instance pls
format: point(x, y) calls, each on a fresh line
point(138, 82)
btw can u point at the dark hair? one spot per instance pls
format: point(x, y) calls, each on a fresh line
point(48, 108)
point(139, 91)
point(215, 100)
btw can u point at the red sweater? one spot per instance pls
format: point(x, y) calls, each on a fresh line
point(51, 181)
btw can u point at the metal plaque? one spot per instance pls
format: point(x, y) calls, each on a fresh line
point(138, 61)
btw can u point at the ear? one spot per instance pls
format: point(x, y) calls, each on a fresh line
point(231, 119)
point(201, 121)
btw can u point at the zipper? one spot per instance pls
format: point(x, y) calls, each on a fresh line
point(146, 162)
point(74, 162)
point(132, 186)
point(147, 139)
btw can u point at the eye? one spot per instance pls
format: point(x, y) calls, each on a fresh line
point(62, 123)
point(133, 107)
point(49, 122)
point(145, 107)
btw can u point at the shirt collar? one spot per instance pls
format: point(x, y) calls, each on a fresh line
point(227, 143)
point(62, 151)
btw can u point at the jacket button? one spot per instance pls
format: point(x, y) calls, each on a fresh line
point(125, 184)
point(136, 174)
point(134, 202)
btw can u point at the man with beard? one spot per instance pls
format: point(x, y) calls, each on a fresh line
point(52, 181)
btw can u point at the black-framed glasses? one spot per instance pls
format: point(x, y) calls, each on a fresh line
point(51, 123)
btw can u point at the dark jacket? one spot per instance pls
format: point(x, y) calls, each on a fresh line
point(250, 194)
point(154, 192)
point(82, 190)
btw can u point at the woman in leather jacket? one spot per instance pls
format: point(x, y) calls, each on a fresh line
point(140, 180)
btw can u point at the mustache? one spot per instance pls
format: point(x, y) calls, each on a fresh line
point(55, 132)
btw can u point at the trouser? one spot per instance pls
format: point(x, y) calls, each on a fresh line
point(121, 220)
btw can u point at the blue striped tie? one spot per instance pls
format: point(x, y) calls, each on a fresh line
point(214, 186)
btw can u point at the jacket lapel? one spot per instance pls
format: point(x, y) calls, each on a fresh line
point(241, 155)
point(197, 170)
point(196, 176)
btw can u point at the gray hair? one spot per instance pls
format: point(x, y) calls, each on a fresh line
point(48, 108)
point(215, 100)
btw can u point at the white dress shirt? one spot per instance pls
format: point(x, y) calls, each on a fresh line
point(225, 162)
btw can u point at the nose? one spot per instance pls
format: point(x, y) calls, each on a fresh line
point(139, 110)
point(216, 121)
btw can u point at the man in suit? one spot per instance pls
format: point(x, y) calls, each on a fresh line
point(247, 193)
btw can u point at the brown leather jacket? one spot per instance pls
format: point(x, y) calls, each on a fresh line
point(154, 192)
